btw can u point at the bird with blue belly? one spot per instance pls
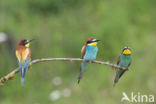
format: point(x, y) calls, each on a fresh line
point(23, 55)
point(88, 53)
point(124, 60)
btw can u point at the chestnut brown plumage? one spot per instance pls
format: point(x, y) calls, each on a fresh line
point(23, 55)
point(88, 52)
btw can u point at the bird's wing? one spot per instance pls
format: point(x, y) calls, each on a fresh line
point(18, 54)
point(26, 60)
point(130, 63)
point(122, 72)
point(26, 65)
point(83, 50)
point(26, 54)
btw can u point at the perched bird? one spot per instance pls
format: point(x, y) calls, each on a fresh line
point(88, 53)
point(23, 55)
point(124, 60)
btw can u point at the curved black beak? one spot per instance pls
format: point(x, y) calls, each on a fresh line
point(28, 41)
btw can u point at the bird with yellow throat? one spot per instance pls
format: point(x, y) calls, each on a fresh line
point(23, 55)
point(124, 60)
point(88, 53)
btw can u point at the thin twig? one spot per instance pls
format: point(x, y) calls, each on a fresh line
point(11, 75)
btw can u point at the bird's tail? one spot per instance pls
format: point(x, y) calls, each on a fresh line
point(119, 73)
point(83, 65)
point(116, 79)
point(22, 76)
point(22, 81)
point(23, 69)
point(80, 76)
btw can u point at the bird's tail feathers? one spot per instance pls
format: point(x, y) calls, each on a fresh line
point(80, 76)
point(22, 81)
point(83, 65)
point(22, 76)
point(116, 79)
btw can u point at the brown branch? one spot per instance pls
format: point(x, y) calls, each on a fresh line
point(11, 75)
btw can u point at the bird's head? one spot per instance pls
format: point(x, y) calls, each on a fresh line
point(126, 51)
point(25, 42)
point(91, 42)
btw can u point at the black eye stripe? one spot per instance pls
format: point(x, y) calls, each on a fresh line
point(92, 41)
point(25, 42)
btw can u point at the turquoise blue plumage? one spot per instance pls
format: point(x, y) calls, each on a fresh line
point(91, 52)
point(88, 53)
point(24, 57)
point(23, 69)
point(124, 60)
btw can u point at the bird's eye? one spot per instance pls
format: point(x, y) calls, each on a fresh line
point(89, 41)
point(25, 43)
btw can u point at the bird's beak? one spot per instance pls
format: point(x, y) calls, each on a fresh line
point(27, 44)
point(97, 40)
point(28, 41)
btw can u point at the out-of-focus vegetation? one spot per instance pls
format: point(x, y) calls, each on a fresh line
point(60, 28)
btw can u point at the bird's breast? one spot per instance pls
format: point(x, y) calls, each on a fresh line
point(125, 60)
point(91, 52)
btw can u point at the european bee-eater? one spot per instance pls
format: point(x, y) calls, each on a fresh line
point(23, 55)
point(124, 60)
point(88, 53)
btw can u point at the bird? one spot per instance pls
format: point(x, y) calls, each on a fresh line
point(124, 60)
point(88, 53)
point(23, 55)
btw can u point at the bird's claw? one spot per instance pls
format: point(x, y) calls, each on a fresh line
point(121, 67)
point(113, 67)
point(126, 69)
point(89, 61)
point(29, 66)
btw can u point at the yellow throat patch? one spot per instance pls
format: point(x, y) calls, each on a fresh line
point(93, 44)
point(27, 45)
point(127, 52)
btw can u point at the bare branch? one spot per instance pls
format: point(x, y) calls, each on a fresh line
point(11, 75)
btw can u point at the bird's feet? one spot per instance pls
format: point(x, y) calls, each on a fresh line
point(124, 68)
point(127, 69)
point(89, 61)
point(121, 67)
point(29, 66)
point(80, 76)
point(113, 67)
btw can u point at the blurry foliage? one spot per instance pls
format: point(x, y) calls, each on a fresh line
point(51, 6)
point(60, 28)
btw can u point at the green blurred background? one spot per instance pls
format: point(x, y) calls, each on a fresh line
point(60, 28)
